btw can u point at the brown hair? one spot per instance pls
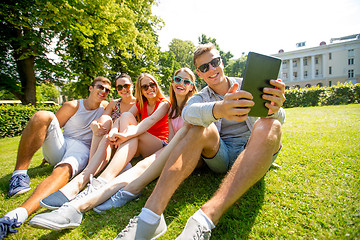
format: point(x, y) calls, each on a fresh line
point(123, 75)
point(201, 49)
point(176, 110)
point(139, 96)
point(100, 79)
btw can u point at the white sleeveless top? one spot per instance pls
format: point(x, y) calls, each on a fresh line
point(78, 126)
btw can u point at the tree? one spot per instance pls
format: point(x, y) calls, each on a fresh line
point(91, 38)
point(46, 92)
point(179, 55)
point(105, 37)
point(167, 66)
point(236, 67)
point(25, 33)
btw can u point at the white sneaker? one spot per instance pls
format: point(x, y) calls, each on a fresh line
point(194, 230)
point(138, 229)
point(93, 185)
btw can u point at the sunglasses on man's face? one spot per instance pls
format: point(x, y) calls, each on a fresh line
point(205, 67)
point(120, 87)
point(102, 88)
point(145, 87)
point(185, 81)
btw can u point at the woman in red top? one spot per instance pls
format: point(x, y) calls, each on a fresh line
point(146, 137)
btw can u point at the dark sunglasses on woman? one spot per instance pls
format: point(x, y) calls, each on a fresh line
point(146, 86)
point(120, 87)
point(205, 67)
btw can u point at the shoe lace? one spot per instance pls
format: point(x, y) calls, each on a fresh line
point(118, 195)
point(90, 188)
point(8, 225)
point(17, 180)
point(202, 233)
point(130, 225)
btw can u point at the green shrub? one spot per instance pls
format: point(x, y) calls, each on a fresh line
point(13, 118)
point(317, 96)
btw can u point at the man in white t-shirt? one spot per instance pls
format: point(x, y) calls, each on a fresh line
point(67, 150)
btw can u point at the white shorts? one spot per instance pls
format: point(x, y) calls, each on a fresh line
point(58, 150)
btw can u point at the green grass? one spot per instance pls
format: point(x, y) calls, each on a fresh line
point(314, 195)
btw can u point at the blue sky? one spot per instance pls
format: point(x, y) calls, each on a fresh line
point(263, 26)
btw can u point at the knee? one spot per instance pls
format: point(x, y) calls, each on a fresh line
point(42, 118)
point(106, 121)
point(268, 129)
point(63, 171)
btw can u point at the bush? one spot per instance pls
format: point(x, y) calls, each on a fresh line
point(317, 96)
point(13, 118)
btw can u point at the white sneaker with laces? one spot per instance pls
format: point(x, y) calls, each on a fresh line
point(194, 230)
point(138, 229)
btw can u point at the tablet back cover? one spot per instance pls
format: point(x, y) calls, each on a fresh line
point(259, 70)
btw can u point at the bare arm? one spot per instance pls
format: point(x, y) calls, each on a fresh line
point(136, 130)
point(67, 110)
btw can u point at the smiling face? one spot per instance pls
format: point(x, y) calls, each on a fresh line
point(100, 90)
point(126, 85)
point(148, 88)
point(180, 88)
point(215, 75)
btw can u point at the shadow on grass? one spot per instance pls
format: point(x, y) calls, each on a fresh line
point(39, 171)
point(190, 196)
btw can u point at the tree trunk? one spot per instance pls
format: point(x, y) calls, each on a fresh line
point(28, 81)
point(25, 67)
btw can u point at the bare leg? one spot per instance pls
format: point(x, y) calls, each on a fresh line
point(251, 165)
point(32, 138)
point(182, 161)
point(151, 169)
point(58, 178)
point(95, 165)
point(145, 144)
point(106, 121)
point(135, 179)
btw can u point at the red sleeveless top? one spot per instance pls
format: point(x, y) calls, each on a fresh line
point(159, 129)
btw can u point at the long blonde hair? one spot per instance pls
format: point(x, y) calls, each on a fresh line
point(176, 110)
point(140, 98)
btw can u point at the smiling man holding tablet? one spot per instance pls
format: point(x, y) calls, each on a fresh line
point(225, 138)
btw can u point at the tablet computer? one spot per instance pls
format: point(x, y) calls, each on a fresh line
point(259, 70)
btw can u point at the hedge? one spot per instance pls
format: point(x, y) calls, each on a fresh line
point(13, 118)
point(319, 96)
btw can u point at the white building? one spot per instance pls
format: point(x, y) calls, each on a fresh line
point(323, 65)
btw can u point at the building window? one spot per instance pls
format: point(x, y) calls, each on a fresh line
point(351, 53)
point(330, 56)
point(316, 72)
point(305, 61)
point(330, 83)
point(294, 63)
point(284, 65)
point(305, 74)
point(351, 61)
point(295, 74)
point(330, 70)
point(285, 76)
point(316, 60)
point(351, 73)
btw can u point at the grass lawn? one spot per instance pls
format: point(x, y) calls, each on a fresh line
point(315, 194)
